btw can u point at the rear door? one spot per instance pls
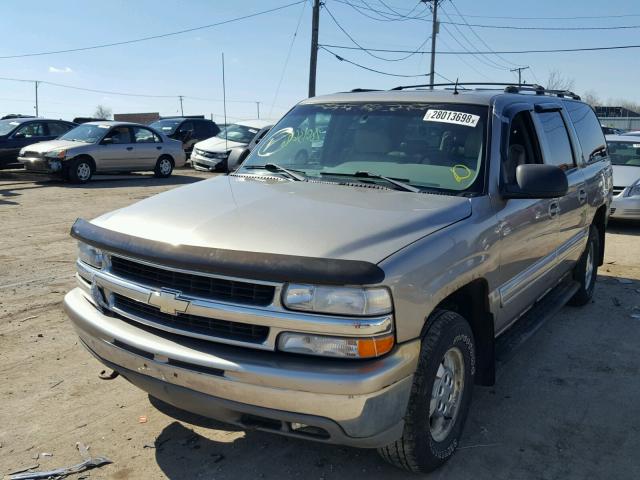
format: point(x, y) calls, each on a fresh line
point(148, 147)
point(558, 150)
point(528, 227)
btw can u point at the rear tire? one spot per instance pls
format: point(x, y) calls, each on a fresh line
point(440, 396)
point(586, 270)
point(164, 167)
point(80, 170)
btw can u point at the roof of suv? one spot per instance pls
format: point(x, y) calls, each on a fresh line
point(463, 95)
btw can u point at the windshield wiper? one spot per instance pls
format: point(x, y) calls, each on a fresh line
point(296, 175)
point(394, 181)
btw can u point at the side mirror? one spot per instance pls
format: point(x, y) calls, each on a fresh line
point(107, 141)
point(538, 181)
point(236, 156)
point(19, 135)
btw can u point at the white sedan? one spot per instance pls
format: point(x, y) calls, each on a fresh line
point(624, 152)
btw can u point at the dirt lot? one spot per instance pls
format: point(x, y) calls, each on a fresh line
point(565, 406)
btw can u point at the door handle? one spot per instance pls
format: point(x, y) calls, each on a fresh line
point(582, 195)
point(129, 148)
point(554, 209)
point(158, 148)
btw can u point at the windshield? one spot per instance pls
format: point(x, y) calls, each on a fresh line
point(168, 126)
point(625, 153)
point(86, 133)
point(7, 126)
point(238, 133)
point(430, 146)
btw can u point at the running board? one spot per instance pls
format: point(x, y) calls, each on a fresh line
point(525, 327)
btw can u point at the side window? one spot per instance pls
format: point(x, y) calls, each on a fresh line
point(202, 130)
point(588, 129)
point(555, 132)
point(144, 135)
point(119, 135)
point(523, 147)
point(58, 128)
point(30, 130)
point(186, 127)
point(214, 129)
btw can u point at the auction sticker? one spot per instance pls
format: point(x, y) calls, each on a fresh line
point(448, 116)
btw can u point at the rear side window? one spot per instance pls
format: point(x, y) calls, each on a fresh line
point(555, 131)
point(588, 129)
point(203, 130)
point(144, 135)
point(58, 128)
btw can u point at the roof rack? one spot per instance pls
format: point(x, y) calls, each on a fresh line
point(358, 90)
point(508, 88)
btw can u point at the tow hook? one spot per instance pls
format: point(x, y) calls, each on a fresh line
point(108, 375)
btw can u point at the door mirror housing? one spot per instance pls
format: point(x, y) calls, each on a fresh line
point(107, 141)
point(236, 156)
point(538, 181)
point(19, 135)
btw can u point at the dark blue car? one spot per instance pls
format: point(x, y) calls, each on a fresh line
point(16, 133)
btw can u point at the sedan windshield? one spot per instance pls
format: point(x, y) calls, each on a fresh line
point(7, 126)
point(86, 133)
point(625, 153)
point(238, 133)
point(433, 147)
point(168, 126)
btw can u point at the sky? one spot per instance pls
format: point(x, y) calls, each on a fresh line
point(256, 51)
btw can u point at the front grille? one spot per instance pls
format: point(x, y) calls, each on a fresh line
point(189, 284)
point(206, 154)
point(29, 154)
point(618, 190)
point(242, 332)
point(631, 211)
point(612, 211)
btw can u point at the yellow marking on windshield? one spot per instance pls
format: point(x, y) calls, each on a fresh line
point(455, 171)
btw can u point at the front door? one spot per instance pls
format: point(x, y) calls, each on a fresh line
point(117, 151)
point(528, 228)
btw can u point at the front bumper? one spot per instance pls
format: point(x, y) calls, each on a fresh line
point(41, 164)
point(205, 163)
point(357, 403)
point(625, 208)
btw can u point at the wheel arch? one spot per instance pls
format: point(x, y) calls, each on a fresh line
point(471, 301)
point(169, 156)
point(81, 156)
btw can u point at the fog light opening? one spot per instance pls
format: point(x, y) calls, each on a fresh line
point(309, 430)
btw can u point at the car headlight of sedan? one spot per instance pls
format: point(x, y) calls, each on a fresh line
point(90, 255)
point(354, 301)
point(633, 190)
point(59, 153)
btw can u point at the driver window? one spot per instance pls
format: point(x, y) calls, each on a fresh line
point(33, 129)
point(119, 135)
point(523, 147)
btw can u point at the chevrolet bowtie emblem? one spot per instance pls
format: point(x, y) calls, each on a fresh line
point(168, 302)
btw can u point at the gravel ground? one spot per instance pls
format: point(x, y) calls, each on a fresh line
point(565, 406)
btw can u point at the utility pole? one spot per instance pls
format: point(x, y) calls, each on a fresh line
point(313, 60)
point(435, 27)
point(258, 106)
point(36, 82)
point(181, 109)
point(519, 70)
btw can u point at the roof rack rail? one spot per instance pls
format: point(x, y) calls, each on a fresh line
point(508, 88)
point(358, 90)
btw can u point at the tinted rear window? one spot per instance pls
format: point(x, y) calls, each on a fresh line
point(555, 131)
point(588, 129)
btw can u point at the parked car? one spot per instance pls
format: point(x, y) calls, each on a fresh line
point(353, 297)
point(187, 130)
point(16, 133)
point(211, 154)
point(624, 152)
point(632, 133)
point(612, 131)
point(104, 147)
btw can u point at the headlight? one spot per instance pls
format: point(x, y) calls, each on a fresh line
point(90, 255)
point(338, 300)
point(633, 189)
point(221, 155)
point(335, 346)
point(56, 153)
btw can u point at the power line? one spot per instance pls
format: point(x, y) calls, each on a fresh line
point(361, 10)
point(514, 27)
point(153, 37)
point(342, 59)
point(584, 17)
point(450, 52)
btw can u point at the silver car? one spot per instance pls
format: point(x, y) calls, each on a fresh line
point(354, 295)
point(104, 147)
point(624, 152)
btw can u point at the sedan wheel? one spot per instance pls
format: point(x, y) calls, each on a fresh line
point(164, 167)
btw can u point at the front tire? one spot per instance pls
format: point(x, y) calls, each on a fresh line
point(80, 170)
point(586, 270)
point(164, 167)
point(440, 396)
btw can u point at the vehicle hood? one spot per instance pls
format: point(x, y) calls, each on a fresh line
point(310, 219)
point(215, 144)
point(625, 175)
point(44, 147)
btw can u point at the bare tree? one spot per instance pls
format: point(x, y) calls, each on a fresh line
point(591, 97)
point(557, 81)
point(102, 112)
